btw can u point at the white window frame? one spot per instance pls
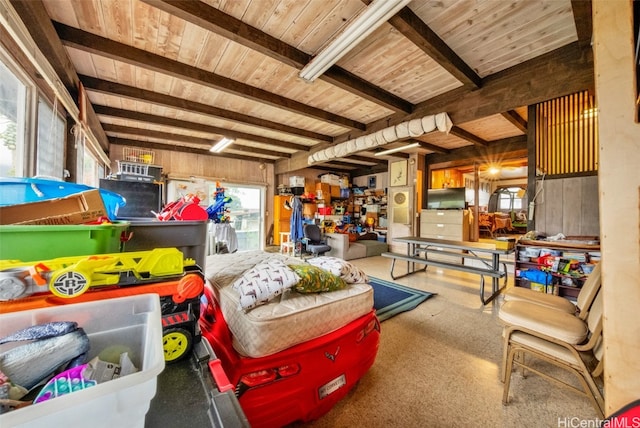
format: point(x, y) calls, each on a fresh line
point(50, 161)
point(25, 123)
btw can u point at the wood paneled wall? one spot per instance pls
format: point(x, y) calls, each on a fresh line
point(619, 200)
point(568, 206)
point(212, 167)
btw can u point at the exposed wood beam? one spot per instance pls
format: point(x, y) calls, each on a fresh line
point(432, 147)
point(182, 149)
point(121, 52)
point(517, 120)
point(583, 19)
point(376, 169)
point(467, 136)
point(36, 19)
point(108, 87)
point(494, 152)
point(419, 33)
point(563, 71)
point(194, 126)
point(171, 136)
point(218, 22)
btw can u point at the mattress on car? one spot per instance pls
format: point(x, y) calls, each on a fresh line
point(288, 320)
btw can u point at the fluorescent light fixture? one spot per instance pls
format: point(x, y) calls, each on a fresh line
point(221, 145)
point(377, 13)
point(397, 149)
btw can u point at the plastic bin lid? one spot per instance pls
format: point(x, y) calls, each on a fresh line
point(20, 190)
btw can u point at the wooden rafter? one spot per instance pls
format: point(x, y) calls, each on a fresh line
point(102, 46)
point(183, 149)
point(433, 147)
point(517, 120)
point(506, 148)
point(108, 87)
point(561, 72)
point(194, 126)
point(467, 136)
point(414, 29)
point(583, 19)
point(218, 22)
point(172, 136)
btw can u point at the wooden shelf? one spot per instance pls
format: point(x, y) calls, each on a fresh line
point(574, 245)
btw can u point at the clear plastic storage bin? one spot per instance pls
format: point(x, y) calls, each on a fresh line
point(133, 322)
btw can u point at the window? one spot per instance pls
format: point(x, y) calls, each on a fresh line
point(90, 174)
point(51, 138)
point(511, 198)
point(13, 111)
point(246, 210)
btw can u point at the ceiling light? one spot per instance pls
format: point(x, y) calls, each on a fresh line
point(397, 149)
point(494, 170)
point(221, 145)
point(374, 15)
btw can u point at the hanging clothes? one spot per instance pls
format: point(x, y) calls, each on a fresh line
point(296, 219)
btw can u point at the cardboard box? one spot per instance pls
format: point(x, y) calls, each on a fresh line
point(335, 191)
point(77, 208)
point(505, 244)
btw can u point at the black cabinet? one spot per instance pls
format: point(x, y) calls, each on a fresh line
point(142, 198)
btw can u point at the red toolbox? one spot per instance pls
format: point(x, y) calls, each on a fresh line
point(298, 384)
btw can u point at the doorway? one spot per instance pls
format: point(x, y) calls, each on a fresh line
point(246, 212)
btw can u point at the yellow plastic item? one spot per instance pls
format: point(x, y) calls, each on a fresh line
point(71, 276)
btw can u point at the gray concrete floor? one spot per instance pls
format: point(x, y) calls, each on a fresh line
point(437, 366)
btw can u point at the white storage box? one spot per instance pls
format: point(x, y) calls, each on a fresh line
point(330, 179)
point(133, 322)
point(296, 181)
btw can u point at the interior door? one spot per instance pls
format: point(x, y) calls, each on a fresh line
point(401, 203)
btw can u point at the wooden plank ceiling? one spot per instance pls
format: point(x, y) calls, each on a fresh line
point(184, 74)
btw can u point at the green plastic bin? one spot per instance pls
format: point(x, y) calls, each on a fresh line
point(43, 242)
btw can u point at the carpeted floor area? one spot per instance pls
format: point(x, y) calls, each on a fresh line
point(390, 298)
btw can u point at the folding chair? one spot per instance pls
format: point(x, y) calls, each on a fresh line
point(561, 339)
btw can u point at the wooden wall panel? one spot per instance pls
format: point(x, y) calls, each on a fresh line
point(568, 206)
point(567, 135)
point(571, 197)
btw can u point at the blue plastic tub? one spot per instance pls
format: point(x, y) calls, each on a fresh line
point(17, 190)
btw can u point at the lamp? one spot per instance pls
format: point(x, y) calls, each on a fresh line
point(397, 149)
point(378, 12)
point(221, 145)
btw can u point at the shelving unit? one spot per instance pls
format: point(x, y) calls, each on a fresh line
point(565, 284)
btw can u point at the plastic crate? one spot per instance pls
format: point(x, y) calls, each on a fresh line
point(133, 322)
point(43, 242)
point(132, 168)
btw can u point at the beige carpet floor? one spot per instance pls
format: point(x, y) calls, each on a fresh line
point(438, 366)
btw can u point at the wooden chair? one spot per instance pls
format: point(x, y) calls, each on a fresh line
point(561, 339)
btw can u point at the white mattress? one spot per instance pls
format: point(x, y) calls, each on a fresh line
point(291, 318)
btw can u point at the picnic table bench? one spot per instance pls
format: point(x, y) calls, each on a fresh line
point(419, 249)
